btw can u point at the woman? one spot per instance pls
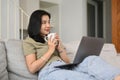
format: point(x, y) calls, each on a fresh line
point(42, 56)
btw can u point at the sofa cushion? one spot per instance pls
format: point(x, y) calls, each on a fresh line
point(16, 62)
point(3, 63)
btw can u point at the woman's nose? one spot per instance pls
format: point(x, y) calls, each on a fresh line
point(48, 24)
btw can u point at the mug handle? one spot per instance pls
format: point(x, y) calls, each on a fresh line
point(46, 38)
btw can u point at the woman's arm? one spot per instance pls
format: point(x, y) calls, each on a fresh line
point(35, 64)
point(62, 52)
point(64, 56)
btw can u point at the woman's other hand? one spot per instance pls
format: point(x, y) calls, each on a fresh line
point(59, 43)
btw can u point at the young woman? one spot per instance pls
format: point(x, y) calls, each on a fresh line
point(41, 56)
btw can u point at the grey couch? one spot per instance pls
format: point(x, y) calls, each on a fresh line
point(12, 62)
point(13, 66)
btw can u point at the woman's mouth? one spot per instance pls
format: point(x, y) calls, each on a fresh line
point(47, 30)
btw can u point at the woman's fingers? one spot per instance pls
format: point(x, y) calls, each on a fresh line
point(55, 41)
point(52, 41)
point(57, 36)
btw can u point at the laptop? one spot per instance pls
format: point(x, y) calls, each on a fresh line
point(88, 46)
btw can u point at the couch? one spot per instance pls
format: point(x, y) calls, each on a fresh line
point(13, 66)
point(12, 62)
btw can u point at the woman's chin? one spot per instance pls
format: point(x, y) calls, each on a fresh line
point(47, 33)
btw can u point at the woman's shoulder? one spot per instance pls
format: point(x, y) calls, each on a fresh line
point(28, 39)
point(28, 46)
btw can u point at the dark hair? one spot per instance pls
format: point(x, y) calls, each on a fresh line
point(35, 23)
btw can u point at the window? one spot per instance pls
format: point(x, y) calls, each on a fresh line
point(95, 18)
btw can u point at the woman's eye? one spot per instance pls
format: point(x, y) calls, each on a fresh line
point(44, 22)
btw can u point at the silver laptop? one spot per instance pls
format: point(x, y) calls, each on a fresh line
point(88, 46)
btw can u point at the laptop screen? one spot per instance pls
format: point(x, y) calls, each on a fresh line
point(88, 46)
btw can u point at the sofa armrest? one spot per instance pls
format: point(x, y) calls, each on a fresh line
point(109, 54)
point(3, 62)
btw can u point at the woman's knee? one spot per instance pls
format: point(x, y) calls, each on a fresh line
point(90, 58)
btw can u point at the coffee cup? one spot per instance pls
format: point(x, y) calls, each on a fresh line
point(52, 35)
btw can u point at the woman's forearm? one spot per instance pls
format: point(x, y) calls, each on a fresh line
point(64, 56)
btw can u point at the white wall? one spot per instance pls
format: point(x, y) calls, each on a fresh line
point(9, 23)
point(29, 6)
point(73, 20)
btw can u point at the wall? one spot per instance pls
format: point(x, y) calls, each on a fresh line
point(73, 20)
point(9, 19)
point(28, 6)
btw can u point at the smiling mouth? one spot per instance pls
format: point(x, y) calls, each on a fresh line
point(47, 29)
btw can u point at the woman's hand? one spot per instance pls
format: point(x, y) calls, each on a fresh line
point(52, 44)
point(59, 43)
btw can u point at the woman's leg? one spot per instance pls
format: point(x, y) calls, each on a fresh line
point(63, 74)
point(97, 67)
point(48, 69)
point(84, 66)
point(52, 73)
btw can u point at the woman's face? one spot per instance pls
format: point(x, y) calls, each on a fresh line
point(45, 26)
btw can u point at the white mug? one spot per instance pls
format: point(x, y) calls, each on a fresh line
point(52, 35)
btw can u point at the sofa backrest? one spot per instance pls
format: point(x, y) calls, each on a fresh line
point(17, 68)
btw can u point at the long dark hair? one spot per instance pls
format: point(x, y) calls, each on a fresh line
point(35, 23)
